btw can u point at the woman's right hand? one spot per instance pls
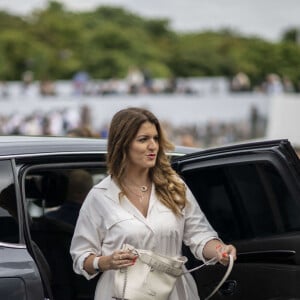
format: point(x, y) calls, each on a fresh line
point(121, 259)
point(117, 260)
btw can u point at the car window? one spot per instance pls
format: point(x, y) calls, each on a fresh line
point(54, 196)
point(49, 189)
point(245, 200)
point(9, 228)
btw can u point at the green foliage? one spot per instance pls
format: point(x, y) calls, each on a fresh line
point(18, 53)
point(55, 43)
point(291, 35)
point(10, 21)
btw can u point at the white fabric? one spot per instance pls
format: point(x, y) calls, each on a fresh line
point(105, 224)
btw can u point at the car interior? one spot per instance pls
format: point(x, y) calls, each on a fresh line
point(51, 225)
point(8, 218)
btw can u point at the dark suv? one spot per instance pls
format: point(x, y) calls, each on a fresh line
point(249, 192)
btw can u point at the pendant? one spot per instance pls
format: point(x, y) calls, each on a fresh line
point(144, 188)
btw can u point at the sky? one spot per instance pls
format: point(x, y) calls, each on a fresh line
point(267, 19)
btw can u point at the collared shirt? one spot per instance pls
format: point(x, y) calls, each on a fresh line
point(106, 222)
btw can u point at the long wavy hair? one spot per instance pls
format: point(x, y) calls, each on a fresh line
point(170, 189)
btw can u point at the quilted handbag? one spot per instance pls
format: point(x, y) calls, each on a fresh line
point(152, 276)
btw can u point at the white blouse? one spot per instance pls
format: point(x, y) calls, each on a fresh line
point(105, 224)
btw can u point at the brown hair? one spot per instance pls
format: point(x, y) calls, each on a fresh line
point(123, 129)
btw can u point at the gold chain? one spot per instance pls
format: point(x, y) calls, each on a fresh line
point(143, 190)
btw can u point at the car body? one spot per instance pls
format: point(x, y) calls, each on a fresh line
point(249, 192)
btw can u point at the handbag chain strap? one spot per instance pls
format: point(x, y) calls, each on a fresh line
point(228, 271)
point(213, 260)
point(125, 271)
point(125, 284)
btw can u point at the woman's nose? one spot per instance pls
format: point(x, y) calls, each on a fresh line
point(152, 144)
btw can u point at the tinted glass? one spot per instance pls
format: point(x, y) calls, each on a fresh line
point(245, 200)
point(9, 229)
point(54, 198)
point(50, 191)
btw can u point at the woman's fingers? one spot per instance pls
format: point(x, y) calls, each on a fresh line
point(223, 252)
point(121, 259)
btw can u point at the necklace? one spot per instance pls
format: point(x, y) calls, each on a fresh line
point(143, 189)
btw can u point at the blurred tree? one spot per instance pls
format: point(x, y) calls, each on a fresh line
point(10, 21)
point(60, 31)
point(55, 43)
point(292, 35)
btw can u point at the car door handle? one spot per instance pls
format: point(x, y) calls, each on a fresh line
point(267, 255)
point(228, 287)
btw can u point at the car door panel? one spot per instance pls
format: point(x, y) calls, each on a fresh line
point(44, 190)
point(19, 278)
point(12, 288)
point(251, 195)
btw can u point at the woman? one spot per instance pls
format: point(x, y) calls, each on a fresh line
point(144, 203)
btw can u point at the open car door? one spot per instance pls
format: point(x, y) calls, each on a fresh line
point(250, 194)
point(19, 275)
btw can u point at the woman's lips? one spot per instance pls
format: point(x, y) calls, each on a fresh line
point(151, 156)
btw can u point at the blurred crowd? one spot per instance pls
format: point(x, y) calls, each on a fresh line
point(272, 85)
point(139, 81)
point(136, 82)
point(217, 133)
point(57, 122)
point(77, 122)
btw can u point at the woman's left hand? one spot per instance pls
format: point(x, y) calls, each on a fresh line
point(223, 251)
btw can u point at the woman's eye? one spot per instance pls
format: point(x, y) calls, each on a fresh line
point(145, 139)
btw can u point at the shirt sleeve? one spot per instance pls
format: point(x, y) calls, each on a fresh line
point(197, 229)
point(87, 237)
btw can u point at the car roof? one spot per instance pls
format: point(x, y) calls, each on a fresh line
point(32, 145)
point(24, 145)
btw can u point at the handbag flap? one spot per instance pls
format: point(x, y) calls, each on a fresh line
point(167, 264)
